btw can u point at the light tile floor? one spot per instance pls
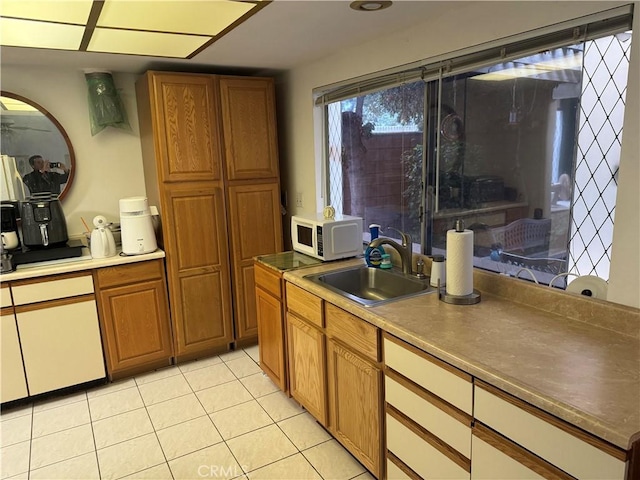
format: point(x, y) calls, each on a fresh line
point(219, 417)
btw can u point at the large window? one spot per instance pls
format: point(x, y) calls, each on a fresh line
point(524, 150)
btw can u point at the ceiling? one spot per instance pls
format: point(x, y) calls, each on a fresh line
point(281, 36)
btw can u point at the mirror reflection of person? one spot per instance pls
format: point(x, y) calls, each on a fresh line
point(42, 178)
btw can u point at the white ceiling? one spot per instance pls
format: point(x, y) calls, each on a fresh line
point(283, 35)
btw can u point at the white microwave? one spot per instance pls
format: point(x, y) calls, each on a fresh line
point(327, 238)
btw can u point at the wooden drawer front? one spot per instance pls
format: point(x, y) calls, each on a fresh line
point(451, 430)
point(353, 331)
point(439, 378)
point(554, 444)
point(133, 273)
point(304, 304)
point(5, 297)
point(420, 456)
point(268, 280)
point(52, 289)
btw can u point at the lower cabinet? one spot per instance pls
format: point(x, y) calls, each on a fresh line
point(335, 373)
point(59, 331)
point(135, 323)
point(513, 439)
point(13, 384)
point(60, 344)
point(428, 406)
point(307, 368)
point(270, 318)
point(354, 381)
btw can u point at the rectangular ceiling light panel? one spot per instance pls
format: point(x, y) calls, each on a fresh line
point(196, 17)
point(144, 43)
point(61, 11)
point(29, 33)
point(13, 105)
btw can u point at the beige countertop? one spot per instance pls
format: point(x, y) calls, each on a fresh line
point(84, 262)
point(578, 367)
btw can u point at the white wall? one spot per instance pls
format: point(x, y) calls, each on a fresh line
point(108, 165)
point(464, 26)
point(624, 283)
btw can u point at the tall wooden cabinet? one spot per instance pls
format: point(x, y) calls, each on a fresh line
point(252, 187)
point(210, 162)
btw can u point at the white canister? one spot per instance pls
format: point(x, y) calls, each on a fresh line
point(438, 271)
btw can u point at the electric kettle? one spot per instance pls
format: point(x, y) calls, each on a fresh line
point(102, 243)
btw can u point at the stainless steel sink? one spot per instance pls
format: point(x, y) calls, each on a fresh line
point(372, 286)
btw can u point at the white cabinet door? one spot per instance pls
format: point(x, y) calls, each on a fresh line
point(61, 346)
point(13, 384)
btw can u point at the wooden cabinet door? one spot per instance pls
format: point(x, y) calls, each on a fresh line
point(355, 404)
point(13, 382)
point(307, 368)
point(256, 229)
point(271, 337)
point(249, 127)
point(198, 267)
point(184, 111)
point(136, 324)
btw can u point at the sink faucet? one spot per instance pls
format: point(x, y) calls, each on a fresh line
point(405, 250)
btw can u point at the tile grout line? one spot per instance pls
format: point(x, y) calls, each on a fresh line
point(30, 446)
point(284, 433)
point(93, 435)
point(155, 431)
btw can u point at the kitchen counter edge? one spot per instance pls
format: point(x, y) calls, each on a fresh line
point(85, 262)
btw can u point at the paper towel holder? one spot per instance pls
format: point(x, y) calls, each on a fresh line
point(471, 299)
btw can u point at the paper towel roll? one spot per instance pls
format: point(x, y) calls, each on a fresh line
point(460, 262)
point(590, 286)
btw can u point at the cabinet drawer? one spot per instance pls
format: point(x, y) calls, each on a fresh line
point(396, 472)
point(445, 381)
point(419, 455)
point(429, 412)
point(132, 273)
point(496, 457)
point(304, 304)
point(52, 288)
point(5, 297)
point(562, 445)
point(489, 463)
point(267, 280)
point(353, 331)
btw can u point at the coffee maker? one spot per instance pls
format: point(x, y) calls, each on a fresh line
point(10, 236)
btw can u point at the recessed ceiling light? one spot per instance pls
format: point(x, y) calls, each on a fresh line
point(370, 5)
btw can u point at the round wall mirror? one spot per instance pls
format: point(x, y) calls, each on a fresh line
point(37, 156)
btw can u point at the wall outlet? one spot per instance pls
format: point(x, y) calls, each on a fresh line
point(299, 199)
